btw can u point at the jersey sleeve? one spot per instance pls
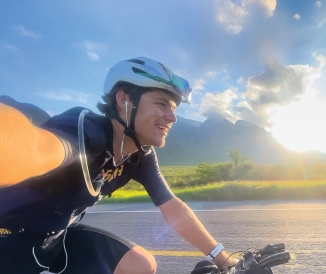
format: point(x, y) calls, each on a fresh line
point(149, 175)
point(65, 127)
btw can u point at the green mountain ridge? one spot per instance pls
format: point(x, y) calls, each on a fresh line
point(191, 142)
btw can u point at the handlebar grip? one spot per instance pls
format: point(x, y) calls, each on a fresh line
point(276, 259)
point(205, 269)
point(280, 246)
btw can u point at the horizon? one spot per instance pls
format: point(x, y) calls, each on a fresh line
point(261, 61)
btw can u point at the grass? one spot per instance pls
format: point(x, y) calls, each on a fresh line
point(230, 191)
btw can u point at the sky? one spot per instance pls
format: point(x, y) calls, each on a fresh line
point(262, 61)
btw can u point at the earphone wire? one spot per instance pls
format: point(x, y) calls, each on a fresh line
point(123, 137)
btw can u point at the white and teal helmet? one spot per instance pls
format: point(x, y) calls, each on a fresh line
point(146, 72)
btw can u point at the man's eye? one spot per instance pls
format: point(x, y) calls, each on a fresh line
point(161, 104)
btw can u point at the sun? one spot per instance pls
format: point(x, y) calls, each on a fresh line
point(301, 126)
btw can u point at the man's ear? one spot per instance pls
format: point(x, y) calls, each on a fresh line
point(121, 98)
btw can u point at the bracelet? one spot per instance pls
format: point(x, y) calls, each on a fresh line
point(215, 252)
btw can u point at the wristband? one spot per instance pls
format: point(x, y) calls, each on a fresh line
point(215, 252)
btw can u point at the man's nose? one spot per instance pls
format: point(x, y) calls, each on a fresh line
point(170, 116)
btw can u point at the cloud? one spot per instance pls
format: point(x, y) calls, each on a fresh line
point(93, 56)
point(91, 49)
point(198, 84)
point(318, 4)
point(9, 47)
point(276, 86)
point(219, 103)
point(321, 23)
point(321, 59)
point(270, 6)
point(296, 16)
point(68, 95)
point(233, 16)
point(22, 30)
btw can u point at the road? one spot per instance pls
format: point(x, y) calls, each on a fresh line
point(301, 225)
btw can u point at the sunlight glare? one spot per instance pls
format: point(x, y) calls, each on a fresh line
point(301, 126)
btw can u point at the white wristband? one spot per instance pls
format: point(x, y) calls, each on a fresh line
point(215, 252)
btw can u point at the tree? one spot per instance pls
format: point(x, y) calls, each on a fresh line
point(240, 165)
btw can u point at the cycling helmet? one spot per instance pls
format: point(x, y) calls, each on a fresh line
point(146, 72)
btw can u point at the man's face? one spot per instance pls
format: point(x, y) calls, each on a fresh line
point(155, 116)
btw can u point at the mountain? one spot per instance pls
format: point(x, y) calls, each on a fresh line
point(192, 142)
point(37, 115)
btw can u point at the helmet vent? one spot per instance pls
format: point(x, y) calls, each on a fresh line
point(139, 71)
point(137, 61)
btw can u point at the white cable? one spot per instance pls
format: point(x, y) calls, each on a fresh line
point(82, 156)
point(126, 103)
point(48, 267)
point(123, 137)
point(64, 247)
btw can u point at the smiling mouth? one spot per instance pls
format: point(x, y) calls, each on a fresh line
point(165, 129)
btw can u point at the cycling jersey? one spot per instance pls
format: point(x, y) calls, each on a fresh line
point(48, 203)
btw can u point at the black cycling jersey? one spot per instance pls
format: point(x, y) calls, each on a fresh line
point(48, 203)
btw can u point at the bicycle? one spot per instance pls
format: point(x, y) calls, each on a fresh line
point(252, 261)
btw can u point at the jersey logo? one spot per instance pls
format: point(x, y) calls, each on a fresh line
point(4, 231)
point(111, 174)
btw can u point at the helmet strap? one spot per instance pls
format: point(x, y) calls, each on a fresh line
point(130, 130)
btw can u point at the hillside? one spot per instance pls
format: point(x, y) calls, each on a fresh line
point(191, 142)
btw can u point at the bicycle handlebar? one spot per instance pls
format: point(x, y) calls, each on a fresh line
point(251, 262)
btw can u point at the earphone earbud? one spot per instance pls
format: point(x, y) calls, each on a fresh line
point(126, 103)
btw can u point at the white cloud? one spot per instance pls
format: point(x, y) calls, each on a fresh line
point(211, 73)
point(233, 16)
point(91, 49)
point(198, 84)
point(22, 30)
point(277, 86)
point(318, 3)
point(270, 5)
point(93, 56)
point(321, 23)
point(220, 103)
point(321, 59)
point(9, 47)
point(68, 95)
point(296, 16)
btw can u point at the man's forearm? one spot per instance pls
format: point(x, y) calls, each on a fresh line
point(184, 222)
point(25, 150)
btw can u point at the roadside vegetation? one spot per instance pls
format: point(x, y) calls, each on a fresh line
point(238, 179)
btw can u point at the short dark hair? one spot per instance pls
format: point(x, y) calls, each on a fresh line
point(110, 103)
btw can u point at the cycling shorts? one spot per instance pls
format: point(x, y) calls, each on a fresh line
point(83, 248)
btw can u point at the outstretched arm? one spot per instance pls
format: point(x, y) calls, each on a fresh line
point(25, 150)
point(183, 220)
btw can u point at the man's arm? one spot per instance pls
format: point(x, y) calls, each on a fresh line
point(183, 220)
point(25, 150)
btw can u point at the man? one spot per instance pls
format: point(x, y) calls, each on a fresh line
point(44, 170)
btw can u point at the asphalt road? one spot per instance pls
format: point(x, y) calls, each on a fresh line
point(301, 225)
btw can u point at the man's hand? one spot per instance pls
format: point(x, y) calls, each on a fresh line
point(220, 260)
